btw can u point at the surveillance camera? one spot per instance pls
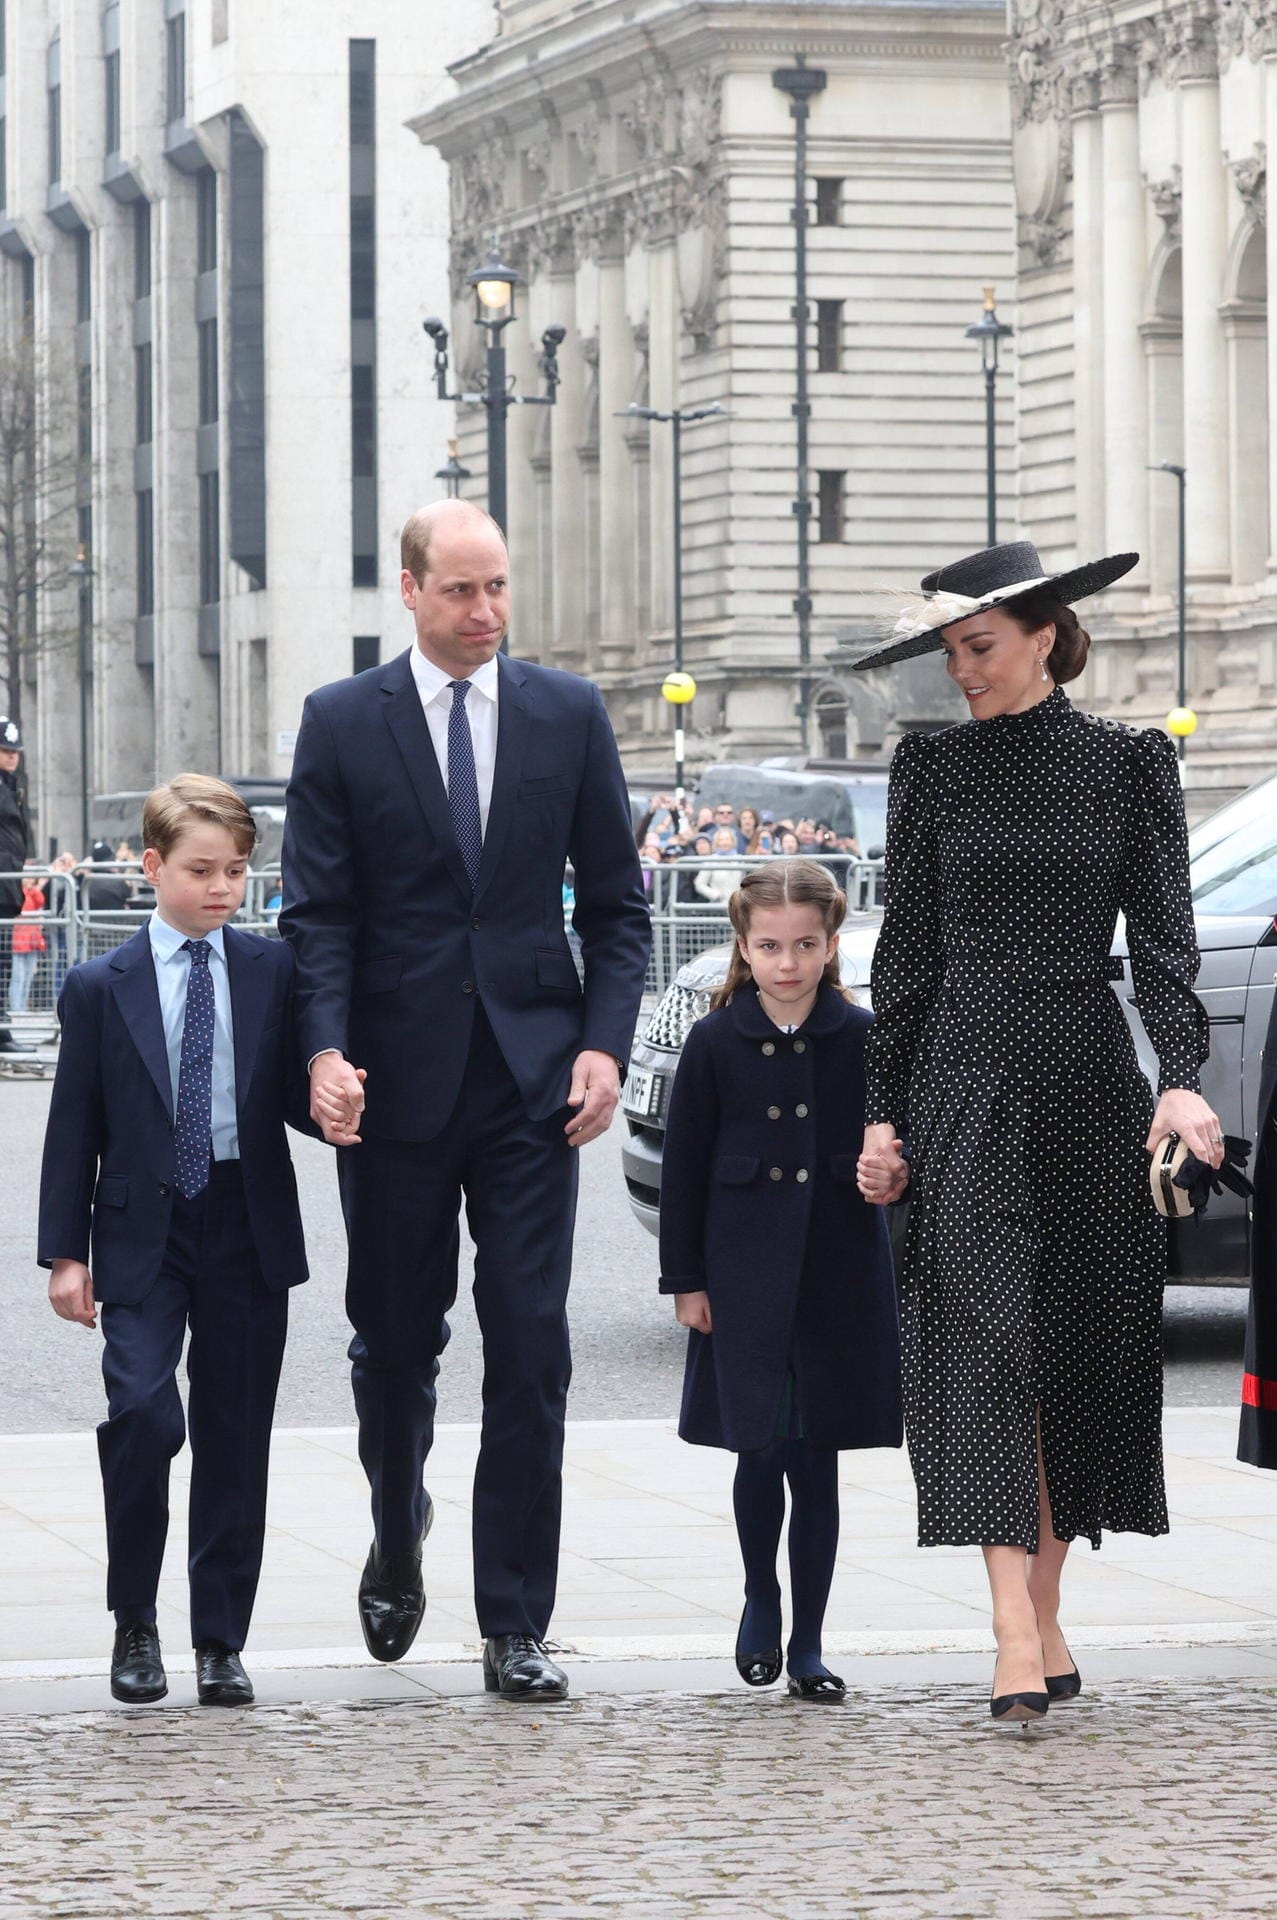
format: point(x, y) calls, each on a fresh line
point(434, 327)
point(554, 337)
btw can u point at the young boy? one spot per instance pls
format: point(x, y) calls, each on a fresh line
point(166, 1145)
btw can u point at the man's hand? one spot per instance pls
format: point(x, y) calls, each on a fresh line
point(692, 1310)
point(595, 1090)
point(336, 1098)
point(71, 1292)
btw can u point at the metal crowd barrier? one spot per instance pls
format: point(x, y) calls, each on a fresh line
point(686, 923)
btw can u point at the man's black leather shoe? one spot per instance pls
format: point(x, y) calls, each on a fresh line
point(220, 1679)
point(137, 1671)
point(392, 1599)
point(518, 1668)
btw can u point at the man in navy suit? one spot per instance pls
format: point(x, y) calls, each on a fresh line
point(433, 806)
point(166, 1151)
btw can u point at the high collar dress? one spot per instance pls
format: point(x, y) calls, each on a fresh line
point(1034, 1260)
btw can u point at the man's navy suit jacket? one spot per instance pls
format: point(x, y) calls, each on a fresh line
point(109, 1152)
point(393, 948)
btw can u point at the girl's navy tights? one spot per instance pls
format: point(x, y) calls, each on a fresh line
point(758, 1500)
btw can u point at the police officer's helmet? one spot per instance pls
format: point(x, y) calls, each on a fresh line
point(10, 735)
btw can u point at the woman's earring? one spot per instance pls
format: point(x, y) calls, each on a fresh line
point(1042, 665)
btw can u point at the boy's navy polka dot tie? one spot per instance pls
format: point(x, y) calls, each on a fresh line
point(194, 1127)
point(463, 782)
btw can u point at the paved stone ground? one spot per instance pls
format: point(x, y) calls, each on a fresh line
point(907, 1804)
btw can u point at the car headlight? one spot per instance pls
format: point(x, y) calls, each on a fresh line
point(675, 1014)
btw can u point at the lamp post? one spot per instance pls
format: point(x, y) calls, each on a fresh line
point(990, 332)
point(452, 473)
point(81, 572)
point(494, 308)
point(677, 418)
point(1182, 715)
point(801, 83)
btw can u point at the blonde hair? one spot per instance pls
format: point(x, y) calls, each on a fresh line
point(192, 800)
point(783, 883)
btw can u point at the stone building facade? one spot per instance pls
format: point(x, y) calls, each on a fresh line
point(635, 162)
point(221, 232)
point(1142, 130)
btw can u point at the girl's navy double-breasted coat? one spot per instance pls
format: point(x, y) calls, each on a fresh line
point(760, 1209)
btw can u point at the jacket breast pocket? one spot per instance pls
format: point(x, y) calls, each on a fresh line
point(842, 1167)
point(557, 971)
point(736, 1169)
point(381, 975)
point(545, 783)
point(112, 1191)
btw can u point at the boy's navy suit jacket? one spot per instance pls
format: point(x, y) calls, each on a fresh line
point(109, 1153)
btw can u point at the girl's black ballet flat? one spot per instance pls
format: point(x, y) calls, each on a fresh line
point(1019, 1708)
point(760, 1669)
point(1064, 1686)
point(825, 1688)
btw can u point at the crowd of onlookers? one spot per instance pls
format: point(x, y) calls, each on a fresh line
point(727, 836)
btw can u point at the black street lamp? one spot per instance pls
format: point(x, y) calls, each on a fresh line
point(452, 473)
point(494, 308)
point(990, 332)
point(82, 573)
point(1183, 721)
point(677, 417)
point(801, 83)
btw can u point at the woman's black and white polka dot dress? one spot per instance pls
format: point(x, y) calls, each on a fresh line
point(1034, 1259)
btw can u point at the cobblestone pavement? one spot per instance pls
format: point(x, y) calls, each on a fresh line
point(1147, 1800)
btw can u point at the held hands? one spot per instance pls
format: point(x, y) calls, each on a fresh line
point(1193, 1119)
point(595, 1090)
point(71, 1292)
point(692, 1310)
point(337, 1098)
point(882, 1172)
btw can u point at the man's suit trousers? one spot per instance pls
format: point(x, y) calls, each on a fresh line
point(402, 1205)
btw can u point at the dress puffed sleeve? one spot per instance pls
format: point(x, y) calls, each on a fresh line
point(908, 961)
point(1158, 904)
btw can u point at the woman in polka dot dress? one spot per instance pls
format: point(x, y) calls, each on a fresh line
point(1034, 1259)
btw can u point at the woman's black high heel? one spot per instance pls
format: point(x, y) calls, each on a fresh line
point(1064, 1686)
point(759, 1669)
point(1019, 1708)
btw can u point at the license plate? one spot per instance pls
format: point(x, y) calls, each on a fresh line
point(639, 1091)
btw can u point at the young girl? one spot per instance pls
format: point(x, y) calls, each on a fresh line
point(779, 1267)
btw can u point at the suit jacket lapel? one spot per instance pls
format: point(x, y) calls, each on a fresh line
point(407, 723)
point(513, 716)
point(138, 998)
point(248, 1008)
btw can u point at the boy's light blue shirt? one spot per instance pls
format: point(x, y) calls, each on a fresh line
point(172, 971)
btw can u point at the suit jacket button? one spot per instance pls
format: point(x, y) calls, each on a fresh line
point(773, 1113)
point(769, 1046)
point(800, 1046)
point(801, 1109)
point(801, 1174)
point(475, 925)
point(164, 1189)
point(776, 1174)
point(467, 986)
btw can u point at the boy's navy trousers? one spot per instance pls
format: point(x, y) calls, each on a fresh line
point(211, 1281)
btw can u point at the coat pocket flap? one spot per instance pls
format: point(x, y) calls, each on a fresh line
point(736, 1169)
point(545, 783)
point(112, 1191)
point(381, 975)
point(842, 1166)
point(556, 969)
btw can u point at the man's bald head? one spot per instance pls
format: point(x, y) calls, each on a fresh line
point(440, 517)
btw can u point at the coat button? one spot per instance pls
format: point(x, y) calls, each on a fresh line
point(467, 986)
point(769, 1046)
point(801, 1174)
point(164, 1189)
point(475, 925)
point(773, 1113)
point(801, 1109)
point(800, 1046)
point(776, 1174)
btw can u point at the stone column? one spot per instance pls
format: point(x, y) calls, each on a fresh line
point(663, 380)
point(1088, 294)
point(1243, 322)
point(1269, 73)
point(616, 516)
point(1205, 224)
point(1123, 248)
point(564, 646)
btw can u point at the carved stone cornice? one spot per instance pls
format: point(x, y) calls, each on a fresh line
point(1039, 88)
point(1119, 78)
point(646, 117)
point(1190, 43)
point(1167, 197)
point(1250, 177)
point(1042, 238)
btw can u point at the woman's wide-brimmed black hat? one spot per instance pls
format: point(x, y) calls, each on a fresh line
point(989, 578)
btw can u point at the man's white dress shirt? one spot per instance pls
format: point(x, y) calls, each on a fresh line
point(434, 687)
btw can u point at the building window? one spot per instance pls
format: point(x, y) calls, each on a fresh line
point(175, 68)
point(83, 276)
point(143, 416)
point(362, 129)
point(145, 553)
point(829, 336)
point(831, 495)
point(4, 169)
point(208, 372)
point(141, 249)
point(367, 652)
point(111, 73)
point(206, 221)
point(55, 135)
point(363, 423)
point(828, 203)
point(84, 411)
point(210, 542)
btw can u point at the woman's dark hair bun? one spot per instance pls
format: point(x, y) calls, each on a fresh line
point(1072, 641)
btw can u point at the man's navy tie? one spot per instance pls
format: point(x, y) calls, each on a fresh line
point(194, 1126)
point(463, 782)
